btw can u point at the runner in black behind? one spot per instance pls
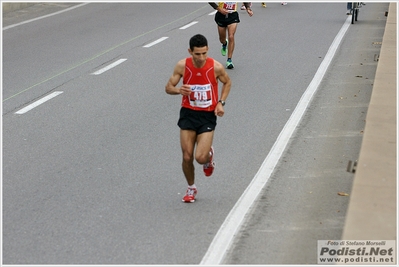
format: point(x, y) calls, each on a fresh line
point(227, 19)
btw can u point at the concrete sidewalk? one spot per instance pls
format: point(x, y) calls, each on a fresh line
point(372, 209)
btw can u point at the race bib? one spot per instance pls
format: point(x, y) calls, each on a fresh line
point(230, 6)
point(200, 96)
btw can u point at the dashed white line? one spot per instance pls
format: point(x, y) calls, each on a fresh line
point(156, 42)
point(116, 63)
point(38, 102)
point(188, 25)
point(212, 13)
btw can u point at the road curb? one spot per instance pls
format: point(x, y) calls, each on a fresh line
point(372, 208)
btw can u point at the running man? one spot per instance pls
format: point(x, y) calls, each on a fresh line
point(200, 107)
point(227, 19)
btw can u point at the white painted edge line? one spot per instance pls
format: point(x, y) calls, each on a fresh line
point(38, 102)
point(42, 17)
point(116, 63)
point(188, 25)
point(156, 41)
point(212, 13)
point(230, 227)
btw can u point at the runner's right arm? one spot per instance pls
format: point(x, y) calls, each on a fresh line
point(214, 5)
point(178, 72)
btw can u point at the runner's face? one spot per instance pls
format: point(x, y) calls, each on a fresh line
point(199, 55)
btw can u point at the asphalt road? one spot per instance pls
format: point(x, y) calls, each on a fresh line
point(93, 175)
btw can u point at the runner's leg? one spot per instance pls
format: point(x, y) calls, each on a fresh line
point(231, 31)
point(187, 142)
point(204, 143)
point(222, 34)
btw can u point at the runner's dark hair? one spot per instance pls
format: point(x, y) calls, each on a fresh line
point(198, 40)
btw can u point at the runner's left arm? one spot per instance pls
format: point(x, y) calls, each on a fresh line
point(248, 8)
point(222, 76)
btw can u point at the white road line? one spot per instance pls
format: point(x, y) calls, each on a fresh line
point(116, 63)
point(38, 102)
point(230, 227)
point(42, 17)
point(156, 42)
point(212, 13)
point(188, 25)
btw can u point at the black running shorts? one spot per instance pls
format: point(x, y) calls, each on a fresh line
point(198, 121)
point(223, 21)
